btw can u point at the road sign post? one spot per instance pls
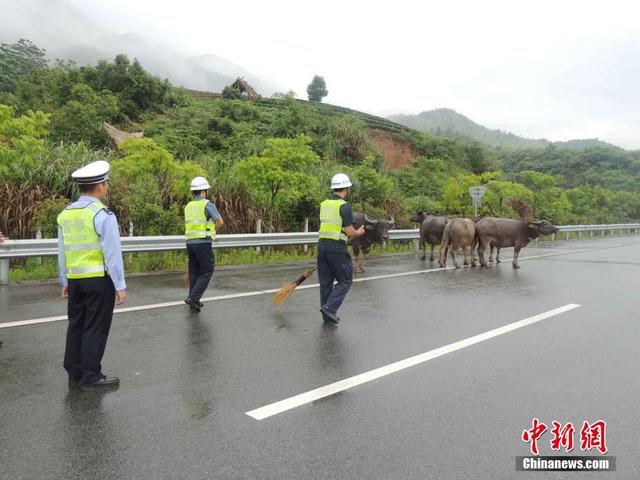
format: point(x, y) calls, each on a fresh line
point(476, 197)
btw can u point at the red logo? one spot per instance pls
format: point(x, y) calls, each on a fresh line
point(562, 436)
point(534, 434)
point(593, 436)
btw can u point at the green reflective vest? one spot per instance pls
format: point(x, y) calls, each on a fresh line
point(196, 223)
point(331, 220)
point(81, 243)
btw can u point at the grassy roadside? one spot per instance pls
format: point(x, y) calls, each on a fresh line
point(33, 269)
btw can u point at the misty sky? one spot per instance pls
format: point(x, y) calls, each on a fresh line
point(552, 69)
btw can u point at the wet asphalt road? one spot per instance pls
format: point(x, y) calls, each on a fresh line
point(187, 380)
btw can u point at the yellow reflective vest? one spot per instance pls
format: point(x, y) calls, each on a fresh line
point(331, 220)
point(83, 253)
point(196, 223)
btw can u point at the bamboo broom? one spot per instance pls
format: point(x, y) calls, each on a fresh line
point(285, 292)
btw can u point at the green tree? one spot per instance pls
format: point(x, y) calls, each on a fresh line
point(281, 173)
point(80, 119)
point(476, 158)
point(16, 60)
point(149, 187)
point(349, 140)
point(317, 89)
point(231, 93)
point(21, 141)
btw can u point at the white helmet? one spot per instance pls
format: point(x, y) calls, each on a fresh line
point(199, 183)
point(340, 181)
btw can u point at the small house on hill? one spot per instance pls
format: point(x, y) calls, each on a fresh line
point(244, 87)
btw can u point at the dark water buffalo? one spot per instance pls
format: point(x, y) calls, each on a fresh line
point(376, 231)
point(507, 232)
point(431, 229)
point(459, 233)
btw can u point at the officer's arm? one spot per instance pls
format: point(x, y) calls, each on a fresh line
point(347, 226)
point(107, 227)
point(352, 232)
point(62, 265)
point(212, 212)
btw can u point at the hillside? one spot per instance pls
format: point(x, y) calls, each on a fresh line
point(268, 158)
point(449, 123)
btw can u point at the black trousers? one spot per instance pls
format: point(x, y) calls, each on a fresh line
point(90, 310)
point(334, 264)
point(202, 263)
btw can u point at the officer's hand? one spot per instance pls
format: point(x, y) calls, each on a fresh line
point(65, 292)
point(121, 296)
point(360, 231)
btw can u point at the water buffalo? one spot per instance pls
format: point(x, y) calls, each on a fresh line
point(459, 233)
point(431, 229)
point(507, 232)
point(376, 231)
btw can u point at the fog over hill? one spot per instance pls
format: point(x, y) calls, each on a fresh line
point(68, 31)
point(449, 123)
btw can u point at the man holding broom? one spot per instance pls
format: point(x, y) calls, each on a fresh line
point(334, 261)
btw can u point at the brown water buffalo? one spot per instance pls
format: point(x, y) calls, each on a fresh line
point(431, 229)
point(459, 233)
point(508, 232)
point(376, 231)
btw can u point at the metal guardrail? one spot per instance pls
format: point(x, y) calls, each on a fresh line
point(14, 249)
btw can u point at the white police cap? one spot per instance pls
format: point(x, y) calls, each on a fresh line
point(95, 172)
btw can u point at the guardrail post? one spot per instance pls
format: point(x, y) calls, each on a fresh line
point(39, 237)
point(566, 237)
point(4, 271)
point(305, 247)
point(258, 230)
point(580, 235)
point(590, 233)
point(602, 233)
point(553, 237)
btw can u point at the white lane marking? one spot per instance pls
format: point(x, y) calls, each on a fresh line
point(35, 321)
point(331, 389)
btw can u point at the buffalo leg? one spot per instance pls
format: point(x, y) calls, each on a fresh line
point(491, 254)
point(473, 251)
point(468, 253)
point(482, 252)
point(516, 252)
point(423, 247)
point(431, 257)
point(497, 254)
point(453, 256)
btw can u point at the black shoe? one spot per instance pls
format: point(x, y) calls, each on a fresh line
point(193, 305)
point(101, 383)
point(74, 382)
point(200, 304)
point(328, 316)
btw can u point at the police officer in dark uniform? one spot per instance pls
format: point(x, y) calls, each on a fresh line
point(334, 261)
point(92, 276)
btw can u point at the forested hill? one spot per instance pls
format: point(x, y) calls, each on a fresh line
point(267, 158)
point(449, 123)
